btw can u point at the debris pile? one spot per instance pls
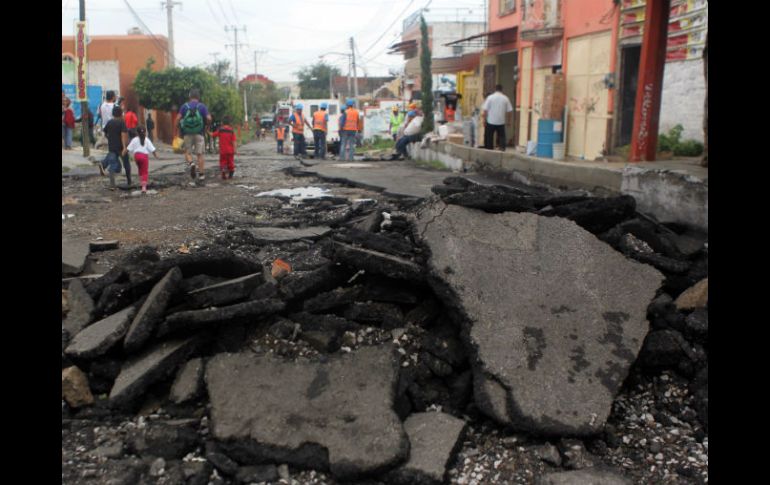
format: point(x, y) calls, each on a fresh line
point(363, 339)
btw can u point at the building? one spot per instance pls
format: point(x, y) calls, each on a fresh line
point(446, 61)
point(596, 44)
point(130, 53)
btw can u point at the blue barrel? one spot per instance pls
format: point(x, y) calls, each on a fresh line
point(547, 135)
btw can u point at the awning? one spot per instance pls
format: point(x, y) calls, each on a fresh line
point(402, 47)
point(487, 39)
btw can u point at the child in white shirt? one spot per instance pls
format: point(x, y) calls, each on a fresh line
point(141, 147)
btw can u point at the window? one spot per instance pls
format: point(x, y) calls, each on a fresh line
point(457, 50)
point(506, 7)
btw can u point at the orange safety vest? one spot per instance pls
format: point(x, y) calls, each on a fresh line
point(279, 133)
point(352, 120)
point(319, 120)
point(449, 114)
point(297, 127)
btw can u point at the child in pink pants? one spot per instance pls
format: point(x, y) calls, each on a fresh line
point(141, 147)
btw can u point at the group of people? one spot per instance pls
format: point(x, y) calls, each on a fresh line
point(194, 119)
point(351, 123)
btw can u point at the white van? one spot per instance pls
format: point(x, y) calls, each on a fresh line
point(310, 106)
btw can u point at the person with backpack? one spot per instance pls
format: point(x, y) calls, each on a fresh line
point(141, 147)
point(227, 147)
point(193, 118)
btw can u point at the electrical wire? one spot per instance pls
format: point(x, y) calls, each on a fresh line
point(213, 13)
point(152, 36)
point(390, 27)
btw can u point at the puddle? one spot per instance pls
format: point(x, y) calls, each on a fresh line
point(352, 165)
point(298, 194)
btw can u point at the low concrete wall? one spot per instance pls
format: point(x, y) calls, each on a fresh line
point(667, 195)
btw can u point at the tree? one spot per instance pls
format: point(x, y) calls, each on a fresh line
point(427, 79)
point(221, 70)
point(168, 89)
point(314, 80)
point(261, 97)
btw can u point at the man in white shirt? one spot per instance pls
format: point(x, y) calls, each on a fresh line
point(411, 132)
point(497, 110)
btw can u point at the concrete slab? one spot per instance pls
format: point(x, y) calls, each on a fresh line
point(73, 255)
point(554, 335)
point(397, 179)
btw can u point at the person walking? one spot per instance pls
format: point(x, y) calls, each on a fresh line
point(104, 115)
point(298, 123)
point(67, 124)
point(140, 148)
point(496, 111)
point(350, 125)
point(280, 136)
point(227, 147)
point(320, 127)
point(117, 141)
point(396, 120)
point(132, 121)
point(193, 118)
point(150, 126)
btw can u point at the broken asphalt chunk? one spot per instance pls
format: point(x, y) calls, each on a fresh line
point(152, 365)
point(287, 234)
point(434, 439)
point(335, 416)
point(100, 337)
point(378, 263)
point(80, 311)
point(554, 335)
point(193, 320)
point(225, 292)
point(151, 312)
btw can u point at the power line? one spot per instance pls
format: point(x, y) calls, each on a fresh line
point(151, 35)
point(389, 27)
point(224, 15)
point(213, 14)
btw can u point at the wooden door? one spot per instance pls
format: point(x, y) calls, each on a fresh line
point(525, 108)
point(588, 62)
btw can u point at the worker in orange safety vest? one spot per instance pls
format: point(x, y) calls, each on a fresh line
point(350, 124)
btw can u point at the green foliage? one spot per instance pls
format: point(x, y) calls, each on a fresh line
point(671, 142)
point(167, 90)
point(261, 97)
point(427, 79)
point(431, 165)
point(221, 70)
point(314, 80)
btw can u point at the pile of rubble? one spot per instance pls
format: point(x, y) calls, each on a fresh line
point(379, 333)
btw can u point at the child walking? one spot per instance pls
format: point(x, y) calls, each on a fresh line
point(280, 135)
point(227, 146)
point(141, 147)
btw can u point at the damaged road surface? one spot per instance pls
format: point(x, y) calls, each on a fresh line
point(335, 416)
point(488, 334)
point(553, 332)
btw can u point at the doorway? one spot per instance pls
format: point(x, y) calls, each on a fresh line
point(507, 63)
point(629, 77)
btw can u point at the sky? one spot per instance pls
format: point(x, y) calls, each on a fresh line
point(289, 33)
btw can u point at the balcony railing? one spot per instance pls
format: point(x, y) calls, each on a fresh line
point(541, 20)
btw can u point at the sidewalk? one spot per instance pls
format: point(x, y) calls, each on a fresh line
point(670, 190)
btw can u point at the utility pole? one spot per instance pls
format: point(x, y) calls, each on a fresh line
point(235, 46)
point(170, 18)
point(85, 117)
point(355, 75)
